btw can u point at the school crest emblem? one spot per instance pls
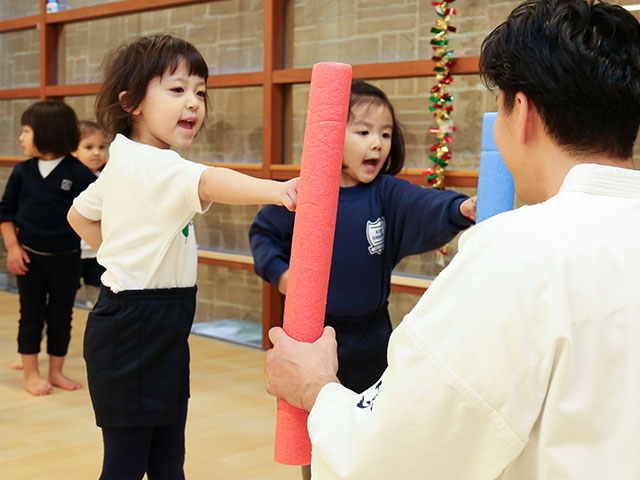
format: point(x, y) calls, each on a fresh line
point(375, 235)
point(66, 185)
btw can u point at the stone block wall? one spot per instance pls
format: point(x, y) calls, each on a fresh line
point(373, 31)
point(19, 58)
point(228, 33)
point(18, 8)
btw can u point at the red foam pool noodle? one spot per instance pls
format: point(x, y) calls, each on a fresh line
point(313, 235)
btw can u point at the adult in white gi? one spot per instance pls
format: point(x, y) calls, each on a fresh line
point(522, 360)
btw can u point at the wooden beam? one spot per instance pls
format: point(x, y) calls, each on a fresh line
point(244, 261)
point(19, 23)
point(251, 79)
point(416, 68)
point(272, 103)
point(214, 81)
point(14, 93)
point(453, 178)
point(225, 259)
point(112, 9)
point(72, 90)
point(48, 46)
point(272, 132)
point(272, 309)
point(11, 161)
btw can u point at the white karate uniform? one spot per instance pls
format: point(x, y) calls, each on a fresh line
point(145, 198)
point(521, 361)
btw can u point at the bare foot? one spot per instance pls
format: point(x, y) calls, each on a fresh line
point(17, 364)
point(37, 386)
point(64, 382)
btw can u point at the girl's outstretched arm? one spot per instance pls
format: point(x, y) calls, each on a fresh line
point(223, 185)
point(89, 230)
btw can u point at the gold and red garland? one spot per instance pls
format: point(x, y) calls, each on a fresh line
point(442, 104)
point(442, 101)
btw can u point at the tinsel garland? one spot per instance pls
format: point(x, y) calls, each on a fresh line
point(442, 104)
point(442, 101)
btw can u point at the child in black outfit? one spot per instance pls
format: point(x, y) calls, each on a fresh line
point(43, 250)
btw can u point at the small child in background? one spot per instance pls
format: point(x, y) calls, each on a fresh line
point(381, 219)
point(43, 250)
point(138, 216)
point(93, 149)
point(93, 153)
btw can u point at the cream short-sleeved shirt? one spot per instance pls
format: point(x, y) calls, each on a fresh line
point(145, 199)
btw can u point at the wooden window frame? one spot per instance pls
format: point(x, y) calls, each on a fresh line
point(273, 79)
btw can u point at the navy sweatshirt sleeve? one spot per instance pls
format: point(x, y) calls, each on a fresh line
point(270, 238)
point(9, 203)
point(420, 219)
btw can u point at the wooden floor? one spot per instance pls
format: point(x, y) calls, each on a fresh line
point(230, 428)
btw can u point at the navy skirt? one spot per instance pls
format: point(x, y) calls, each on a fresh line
point(137, 355)
point(362, 347)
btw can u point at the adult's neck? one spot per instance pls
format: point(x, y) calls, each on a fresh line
point(555, 167)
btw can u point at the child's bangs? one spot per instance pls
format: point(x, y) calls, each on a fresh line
point(193, 60)
point(367, 103)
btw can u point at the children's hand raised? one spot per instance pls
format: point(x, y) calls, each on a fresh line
point(468, 208)
point(17, 260)
point(289, 193)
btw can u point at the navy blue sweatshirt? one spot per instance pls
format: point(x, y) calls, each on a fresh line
point(378, 224)
point(38, 206)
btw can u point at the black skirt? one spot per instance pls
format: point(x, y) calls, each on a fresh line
point(137, 355)
point(362, 347)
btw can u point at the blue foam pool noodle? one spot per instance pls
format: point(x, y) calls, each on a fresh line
point(496, 191)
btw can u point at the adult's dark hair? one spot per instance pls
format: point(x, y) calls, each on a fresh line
point(131, 67)
point(55, 126)
point(363, 93)
point(579, 63)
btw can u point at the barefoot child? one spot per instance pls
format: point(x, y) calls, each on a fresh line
point(138, 216)
point(92, 152)
point(43, 250)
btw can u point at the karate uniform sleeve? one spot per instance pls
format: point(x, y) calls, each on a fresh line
point(10, 198)
point(270, 239)
point(466, 381)
point(421, 219)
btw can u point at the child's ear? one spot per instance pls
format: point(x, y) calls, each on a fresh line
point(125, 106)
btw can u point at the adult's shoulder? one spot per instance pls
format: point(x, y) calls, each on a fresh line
point(523, 235)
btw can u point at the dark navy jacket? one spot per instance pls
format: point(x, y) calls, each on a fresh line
point(38, 206)
point(378, 224)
